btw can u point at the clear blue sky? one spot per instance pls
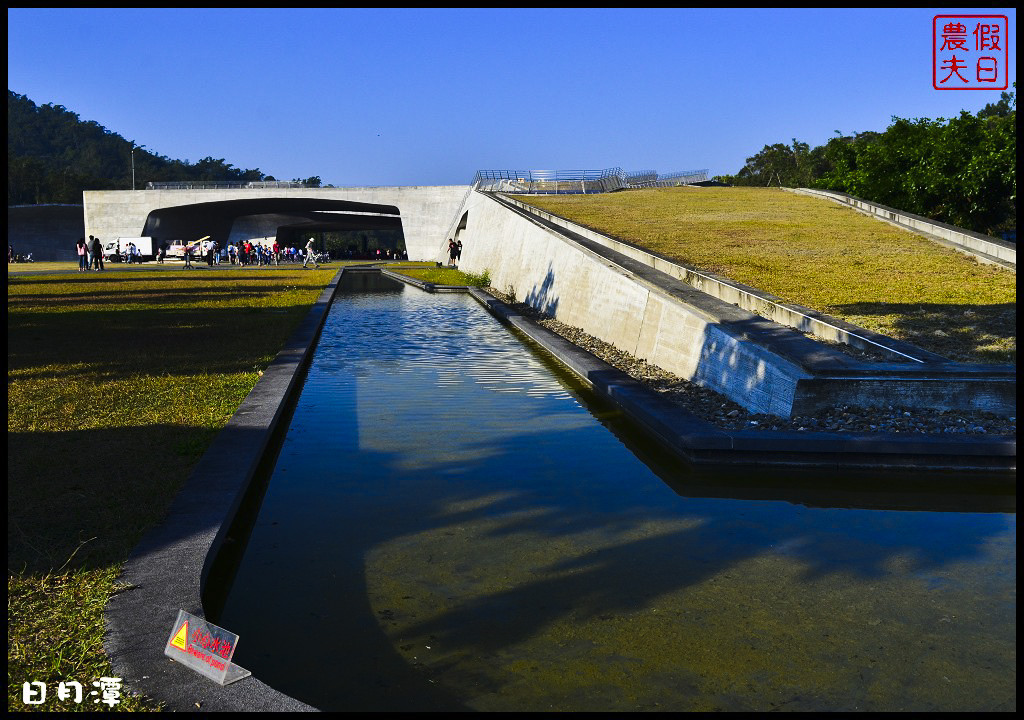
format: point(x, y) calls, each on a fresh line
point(427, 97)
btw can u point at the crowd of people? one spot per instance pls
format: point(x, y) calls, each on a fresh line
point(248, 253)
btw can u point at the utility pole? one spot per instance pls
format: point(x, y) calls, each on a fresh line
point(133, 161)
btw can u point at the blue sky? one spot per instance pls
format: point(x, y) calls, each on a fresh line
point(427, 97)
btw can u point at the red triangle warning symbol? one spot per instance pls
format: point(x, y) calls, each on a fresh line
point(178, 640)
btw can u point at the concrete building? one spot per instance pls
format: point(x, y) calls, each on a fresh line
point(423, 213)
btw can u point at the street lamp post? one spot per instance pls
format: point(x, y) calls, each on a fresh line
point(133, 161)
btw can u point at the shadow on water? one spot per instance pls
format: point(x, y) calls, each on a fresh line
point(518, 559)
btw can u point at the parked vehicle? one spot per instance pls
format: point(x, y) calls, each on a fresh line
point(176, 248)
point(117, 250)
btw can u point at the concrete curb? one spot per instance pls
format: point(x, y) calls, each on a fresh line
point(168, 570)
point(700, 443)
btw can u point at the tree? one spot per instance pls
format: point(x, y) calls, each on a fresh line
point(53, 155)
point(962, 170)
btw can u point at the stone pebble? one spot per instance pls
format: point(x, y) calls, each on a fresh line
point(722, 412)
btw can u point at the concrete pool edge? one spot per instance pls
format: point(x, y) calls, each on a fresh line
point(699, 442)
point(168, 569)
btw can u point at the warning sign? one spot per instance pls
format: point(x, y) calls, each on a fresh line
point(205, 648)
point(178, 640)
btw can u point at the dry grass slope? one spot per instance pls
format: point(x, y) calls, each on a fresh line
point(818, 254)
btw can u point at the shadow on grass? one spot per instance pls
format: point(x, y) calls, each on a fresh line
point(171, 274)
point(116, 344)
point(102, 367)
point(961, 332)
point(89, 495)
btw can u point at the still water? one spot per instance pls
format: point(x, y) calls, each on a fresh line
point(452, 523)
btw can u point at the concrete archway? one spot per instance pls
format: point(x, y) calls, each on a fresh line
point(260, 218)
point(424, 213)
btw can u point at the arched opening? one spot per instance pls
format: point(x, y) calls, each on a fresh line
point(344, 228)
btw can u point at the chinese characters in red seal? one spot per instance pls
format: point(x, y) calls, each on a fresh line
point(970, 52)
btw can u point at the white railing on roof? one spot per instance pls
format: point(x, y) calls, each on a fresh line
point(553, 182)
point(223, 185)
point(575, 182)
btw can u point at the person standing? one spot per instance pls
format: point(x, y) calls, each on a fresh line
point(309, 255)
point(83, 256)
point(97, 254)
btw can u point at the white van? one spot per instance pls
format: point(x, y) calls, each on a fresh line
point(119, 247)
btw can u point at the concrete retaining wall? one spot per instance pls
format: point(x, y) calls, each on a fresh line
point(763, 366)
point(579, 288)
point(983, 247)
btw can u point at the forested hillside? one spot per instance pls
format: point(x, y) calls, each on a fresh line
point(960, 170)
point(53, 155)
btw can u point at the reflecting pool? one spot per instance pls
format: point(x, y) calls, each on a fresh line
point(453, 523)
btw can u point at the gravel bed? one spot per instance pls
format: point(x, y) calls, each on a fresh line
point(727, 415)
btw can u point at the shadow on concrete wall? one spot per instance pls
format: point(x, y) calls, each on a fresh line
point(719, 365)
point(541, 298)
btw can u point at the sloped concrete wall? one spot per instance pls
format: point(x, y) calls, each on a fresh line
point(581, 289)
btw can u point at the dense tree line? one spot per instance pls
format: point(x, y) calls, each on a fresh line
point(52, 156)
point(961, 171)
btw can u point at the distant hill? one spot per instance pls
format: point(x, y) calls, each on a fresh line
point(53, 155)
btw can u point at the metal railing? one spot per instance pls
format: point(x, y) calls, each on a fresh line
point(224, 185)
point(550, 182)
point(652, 179)
point(684, 177)
point(575, 182)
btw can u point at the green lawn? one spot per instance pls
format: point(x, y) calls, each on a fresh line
point(818, 254)
point(117, 382)
point(444, 275)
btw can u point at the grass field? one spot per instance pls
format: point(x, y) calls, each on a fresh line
point(117, 382)
point(444, 275)
point(818, 254)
